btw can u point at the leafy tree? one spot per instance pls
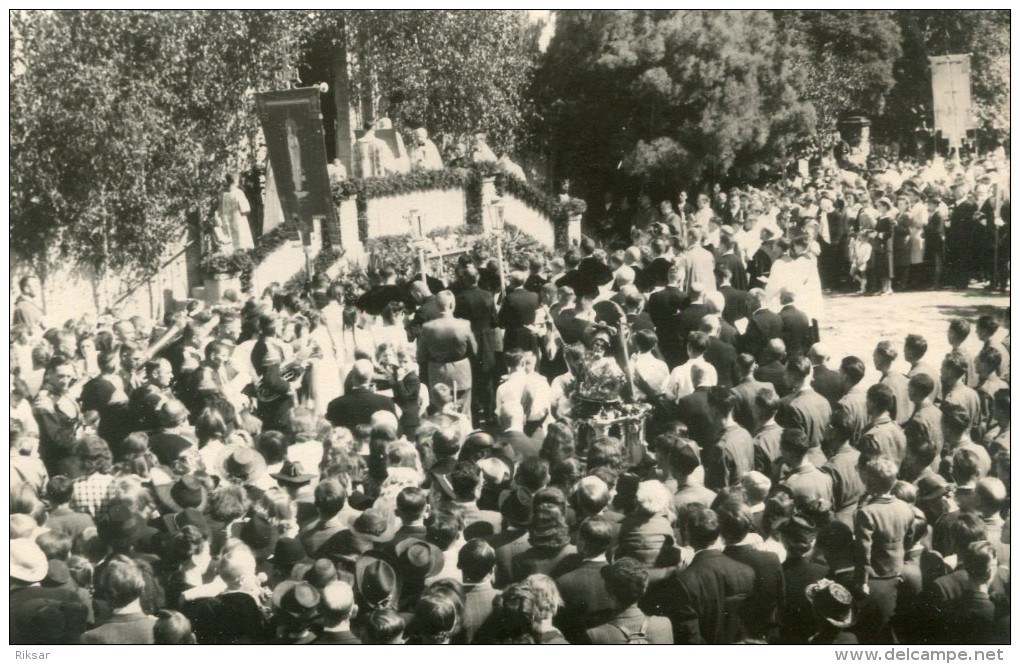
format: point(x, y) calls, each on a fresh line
point(848, 58)
point(454, 72)
point(669, 96)
point(124, 123)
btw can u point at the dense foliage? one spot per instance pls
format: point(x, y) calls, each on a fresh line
point(124, 123)
point(668, 96)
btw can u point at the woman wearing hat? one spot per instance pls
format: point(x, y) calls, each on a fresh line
point(882, 256)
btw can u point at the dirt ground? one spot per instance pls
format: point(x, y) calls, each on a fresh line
point(855, 324)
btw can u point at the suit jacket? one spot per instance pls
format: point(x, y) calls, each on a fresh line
point(477, 307)
point(479, 523)
point(518, 310)
point(356, 407)
point(591, 274)
point(664, 309)
point(702, 425)
point(745, 412)
point(723, 357)
point(827, 382)
point(797, 616)
point(704, 600)
point(508, 544)
point(923, 367)
point(766, 448)
point(736, 304)
point(929, 418)
point(761, 612)
point(656, 272)
point(640, 321)
point(897, 382)
point(477, 607)
point(808, 411)
point(737, 270)
point(889, 437)
point(551, 562)
point(810, 484)
point(690, 321)
point(880, 526)
point(847, 486)
point(855, 403)
point(729, 459)
point(762, 326)
point(128, 629)
point(345, 638)
point(657, 629)
point(797, 333)
point(586, 602)
point(446, 346)
point(773, 373)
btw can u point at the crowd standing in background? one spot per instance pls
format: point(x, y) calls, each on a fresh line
point(406, 466)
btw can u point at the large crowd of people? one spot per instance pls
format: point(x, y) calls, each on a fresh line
point(409, 465)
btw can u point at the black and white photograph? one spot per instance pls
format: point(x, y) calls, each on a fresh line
point(507, 327)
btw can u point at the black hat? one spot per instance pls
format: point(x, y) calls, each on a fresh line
point(288, 551)
point(377, 581)
point(931, 487)
point(188, 491)
point(298, 599)
point(260, 535)
point(322, 573)
point(799, 526)
point(372, 525)
point(419, 558)
point(293, 473)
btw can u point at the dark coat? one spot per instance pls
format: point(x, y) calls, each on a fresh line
point(28, 604)
point(356, 407)
point(797, 334)
point(128, 629)
point(664, 309)
point(808, 411)
point(827, 382)
point(723, 357)
point(745, 412)
point(761, 326)
point(738, 273)
point(518, 310)
point(551, 562)
point(477, 607)
point(508, 544)
point(797, 616)
point(736, 304)
point(702, 425)
point(773, 373)
point(658, 630)
point(704, 600)
point(586, 602)
point(761, 612)
point(478, 308)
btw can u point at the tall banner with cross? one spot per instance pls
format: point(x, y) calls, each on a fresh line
point(950, 89)
point(292, 124)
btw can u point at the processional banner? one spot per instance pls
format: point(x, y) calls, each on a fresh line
point(292, 124)
point(950, 87)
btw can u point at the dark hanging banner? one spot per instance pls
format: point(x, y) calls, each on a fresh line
point(292, 123)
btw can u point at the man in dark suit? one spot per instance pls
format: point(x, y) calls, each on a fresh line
point(664, 304)
point(477, 561)
point(720, 354)
point(695, 411)
point(824, 380)
point(633, 306)
point(513, 438)
point(412, 509)
point(586, 602)
point(691, 315)
point(657, 271)
point(772, 368)
point(746, 412)
point(478, 308)
point(797, 333)
point(626, 581)
point(517, 315)
point(884, 356)
point(736, 299)
point(762, 325)
point(466, 485)
point(731, 261)
point(446, 347)
point(803, 408)
point(357, 406)
point(704, 601)
point(963, 226)
point(761, 612)
point(592, 273)
point(854, 401)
